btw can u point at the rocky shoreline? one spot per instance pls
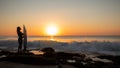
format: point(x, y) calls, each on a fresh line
point(59, 59)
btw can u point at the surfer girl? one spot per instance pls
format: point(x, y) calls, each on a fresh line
point(20, 38)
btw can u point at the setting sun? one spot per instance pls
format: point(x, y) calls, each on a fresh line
point(51, 30)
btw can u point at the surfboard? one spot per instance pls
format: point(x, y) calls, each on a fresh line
point(25, 37)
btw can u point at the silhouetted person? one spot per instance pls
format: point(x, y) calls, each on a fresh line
point(20, 39)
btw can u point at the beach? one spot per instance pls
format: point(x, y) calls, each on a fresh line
point(57, 60)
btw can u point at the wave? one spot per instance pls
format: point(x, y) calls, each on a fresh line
point(110, 48)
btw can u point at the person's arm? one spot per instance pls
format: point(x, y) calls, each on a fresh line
point(22, 34)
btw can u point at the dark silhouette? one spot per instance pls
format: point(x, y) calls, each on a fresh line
point(25, 38)
point(20, 39)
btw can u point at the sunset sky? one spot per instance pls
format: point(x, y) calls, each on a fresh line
point(70, 17)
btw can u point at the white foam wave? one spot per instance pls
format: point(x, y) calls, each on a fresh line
point(112, 48)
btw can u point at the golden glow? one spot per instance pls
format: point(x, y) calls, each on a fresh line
point(52, 30)
point(37, 52)
point(88, 17)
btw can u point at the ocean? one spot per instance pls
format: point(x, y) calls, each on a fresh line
point(73, 44)
point(67, 38)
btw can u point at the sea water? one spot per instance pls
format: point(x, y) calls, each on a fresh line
point(75, 44)
point(67, 38)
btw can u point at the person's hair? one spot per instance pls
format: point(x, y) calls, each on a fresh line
point(18, 28)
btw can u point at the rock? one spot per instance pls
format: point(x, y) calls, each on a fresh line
point(115, 59)
point(69, 56)
point(49, 52)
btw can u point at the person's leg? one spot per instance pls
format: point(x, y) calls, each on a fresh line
point(19, 48)
point(20, 45)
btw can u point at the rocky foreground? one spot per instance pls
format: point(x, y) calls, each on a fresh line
point(52, 59)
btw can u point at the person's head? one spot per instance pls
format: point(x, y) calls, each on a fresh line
point(18, 28)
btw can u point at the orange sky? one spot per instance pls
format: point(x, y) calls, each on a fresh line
point(79, 17)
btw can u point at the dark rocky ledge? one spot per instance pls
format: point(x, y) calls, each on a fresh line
point(50, 57)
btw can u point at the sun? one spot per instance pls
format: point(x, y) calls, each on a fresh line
point(51, 30)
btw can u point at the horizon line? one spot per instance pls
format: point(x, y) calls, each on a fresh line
point(58, 35)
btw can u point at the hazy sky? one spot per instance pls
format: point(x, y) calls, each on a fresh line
point(72, 17)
